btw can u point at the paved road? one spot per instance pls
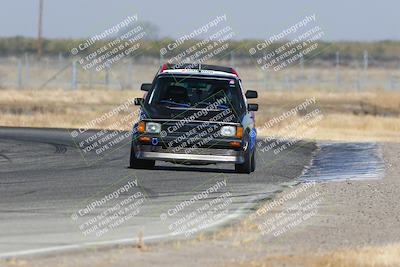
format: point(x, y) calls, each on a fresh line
point(47, 186)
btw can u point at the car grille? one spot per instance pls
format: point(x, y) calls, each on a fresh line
point(180, 129)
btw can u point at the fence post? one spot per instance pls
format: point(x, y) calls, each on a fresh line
point(337, 69)
point(363, 81)
point(90, 78)
point(107, 77)
point(232, 59)
point(302, 65)
point(130, 67)
point(60, 60)
point(365, 59)
point(392, 82)
point(287, 81)
point(74, 76)
point(19, 66)
point(27, 68)
point(161, 59)
point(265, 78)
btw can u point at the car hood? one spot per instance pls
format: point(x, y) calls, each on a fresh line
point(162, 112)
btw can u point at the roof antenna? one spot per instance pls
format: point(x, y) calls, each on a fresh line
point(199, 67)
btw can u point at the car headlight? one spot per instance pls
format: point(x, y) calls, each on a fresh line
point(228, 130)
point(153, 127)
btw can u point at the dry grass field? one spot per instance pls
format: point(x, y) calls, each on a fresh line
point(383, 256)
point(59, 108)
point(364, 116)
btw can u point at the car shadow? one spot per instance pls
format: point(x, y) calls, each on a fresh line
point(183, 168)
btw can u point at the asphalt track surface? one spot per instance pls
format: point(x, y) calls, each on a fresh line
point(45, 181)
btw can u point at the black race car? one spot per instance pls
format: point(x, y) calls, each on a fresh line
point(195, 114)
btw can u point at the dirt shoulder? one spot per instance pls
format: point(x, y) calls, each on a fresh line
point(354, 213)
point(357, 223)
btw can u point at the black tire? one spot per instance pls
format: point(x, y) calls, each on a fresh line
point(136, 163)
point(253, 160)
point(246, 166)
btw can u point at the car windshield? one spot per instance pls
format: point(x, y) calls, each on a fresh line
point(189, 92)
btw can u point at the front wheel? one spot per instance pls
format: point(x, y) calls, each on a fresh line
point(248, 165)
point(136, 163)
point(253, 160)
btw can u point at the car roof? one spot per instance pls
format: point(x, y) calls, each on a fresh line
point(198, 70)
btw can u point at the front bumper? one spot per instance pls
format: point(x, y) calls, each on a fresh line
point(198, 155)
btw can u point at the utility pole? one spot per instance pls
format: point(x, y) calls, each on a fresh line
point(40, 22)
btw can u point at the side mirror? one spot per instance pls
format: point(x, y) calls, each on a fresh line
point(252, 107)
point(145, 87)
point(138, 101)
point(251, 94)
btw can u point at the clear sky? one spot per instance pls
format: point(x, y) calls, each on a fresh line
point(366, 20)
